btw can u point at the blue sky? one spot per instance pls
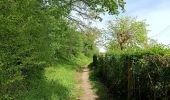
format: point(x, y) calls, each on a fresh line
point(156, 13)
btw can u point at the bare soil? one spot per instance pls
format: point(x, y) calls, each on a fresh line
point(85, 85)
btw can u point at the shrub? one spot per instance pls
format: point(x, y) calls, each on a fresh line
point(140, 75)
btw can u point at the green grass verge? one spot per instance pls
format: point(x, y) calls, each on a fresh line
point(58, 82)
point(82, 60)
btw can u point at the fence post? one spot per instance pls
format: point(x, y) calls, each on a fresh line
point(130, 79)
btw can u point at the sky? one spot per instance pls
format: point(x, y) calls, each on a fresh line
point(155, 12)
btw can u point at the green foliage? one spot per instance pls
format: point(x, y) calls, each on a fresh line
point(34, 35)
point(106, 5)
point(136, 75)
point(99, 6)
point(56, 83)
point(23, 43)
point(99, 88)
point(27, 43)
point(81, 60)
point(67, 43)
point(128, 33)
point(90, 38)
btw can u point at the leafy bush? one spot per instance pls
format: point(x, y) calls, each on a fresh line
point(140, 75)
point(31, 38)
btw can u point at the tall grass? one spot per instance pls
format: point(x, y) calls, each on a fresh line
point(55, 83)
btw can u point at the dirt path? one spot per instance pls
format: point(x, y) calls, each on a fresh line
point(88, 93)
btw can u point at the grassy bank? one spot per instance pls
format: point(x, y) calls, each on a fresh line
point(57, 82)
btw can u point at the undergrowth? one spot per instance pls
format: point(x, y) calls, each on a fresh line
point(55, 82)
point(99, 88)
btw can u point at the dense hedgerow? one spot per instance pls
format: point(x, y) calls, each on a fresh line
point(32, 37)
point(141, 75)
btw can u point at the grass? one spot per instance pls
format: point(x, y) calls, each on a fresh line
point(82, 60)
point(99, 88)
point(57, 82)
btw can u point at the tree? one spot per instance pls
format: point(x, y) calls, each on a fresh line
point(24, 43)
point(86, 9)
point(127, 33)
point(35, 32)
point(90, 40)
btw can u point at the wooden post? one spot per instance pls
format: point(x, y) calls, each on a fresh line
point(130, 79)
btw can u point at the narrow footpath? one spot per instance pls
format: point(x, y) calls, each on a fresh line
point(85, 85)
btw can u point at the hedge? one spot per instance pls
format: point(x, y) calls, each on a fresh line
point(141, 75)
